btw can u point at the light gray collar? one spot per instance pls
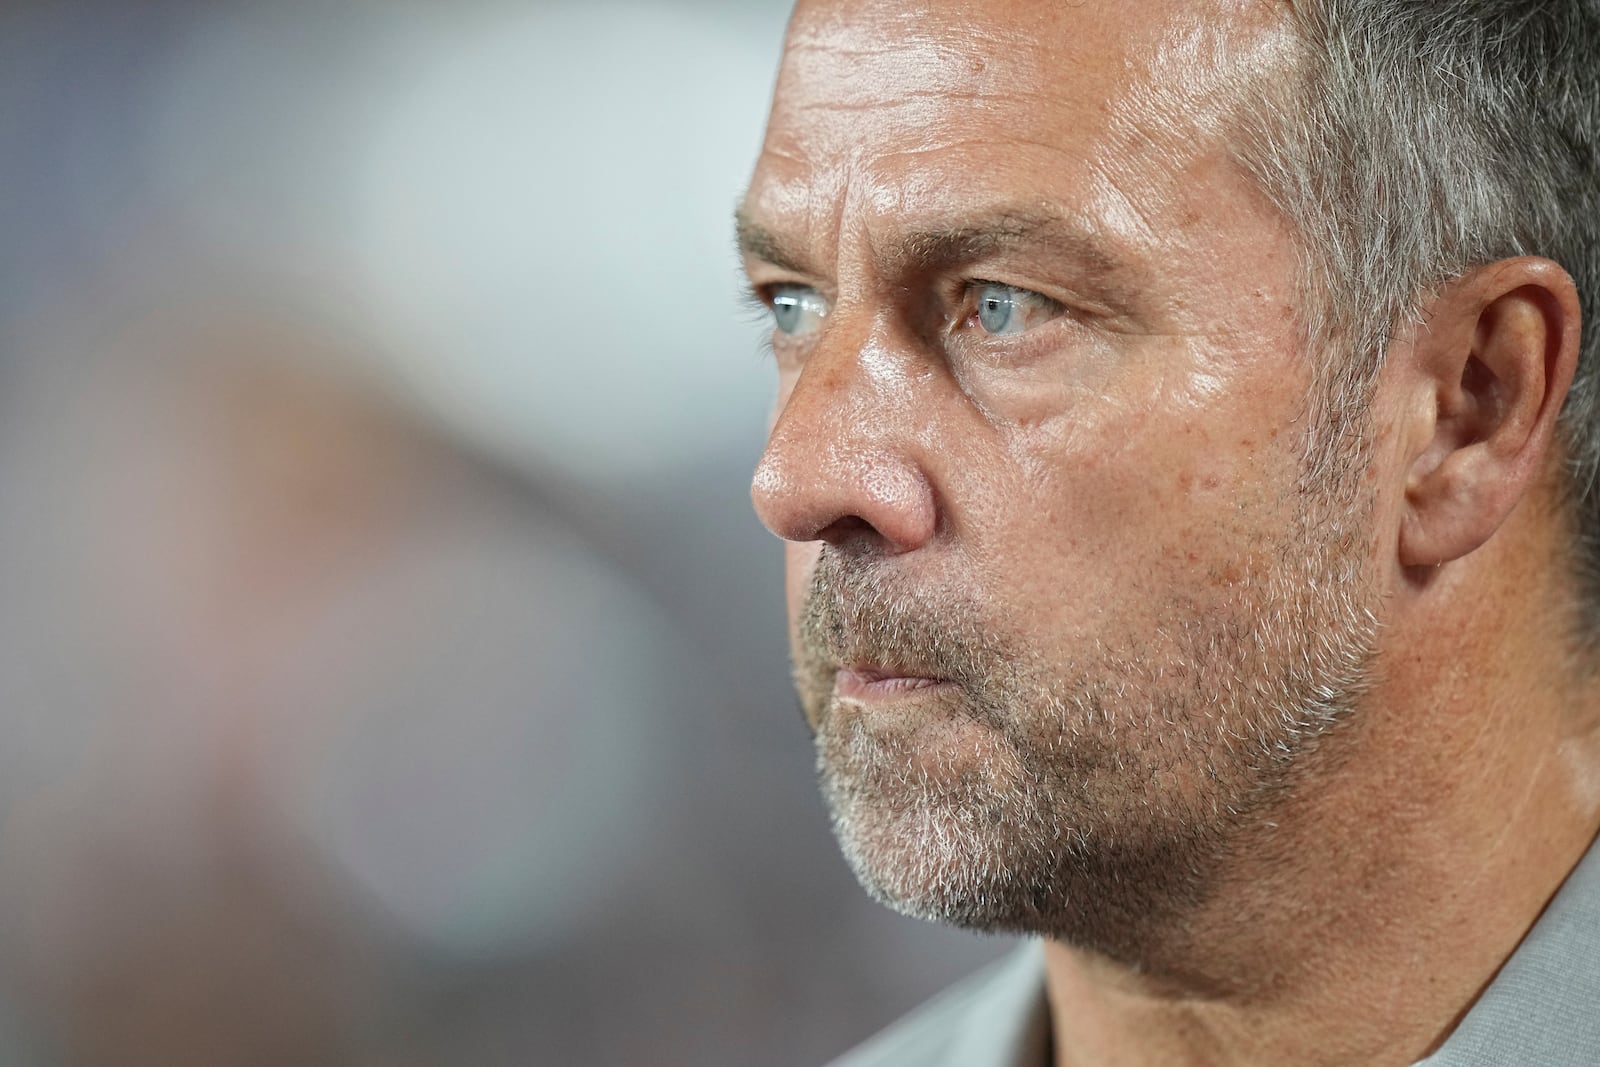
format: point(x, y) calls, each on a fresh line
point(1541, 1010)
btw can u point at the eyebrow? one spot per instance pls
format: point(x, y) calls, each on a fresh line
point(1004, 231)
point(757, 241)
point(984, 236)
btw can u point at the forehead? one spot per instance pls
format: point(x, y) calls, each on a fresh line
point(918, 110)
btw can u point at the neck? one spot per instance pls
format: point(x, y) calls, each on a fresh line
point(1359, 920)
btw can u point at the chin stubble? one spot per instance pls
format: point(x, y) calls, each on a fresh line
point(1097, 800)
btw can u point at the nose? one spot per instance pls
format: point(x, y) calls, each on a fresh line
point(841, 465)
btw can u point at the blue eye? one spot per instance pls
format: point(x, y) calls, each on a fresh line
point(798, 309)
point(1005, 309)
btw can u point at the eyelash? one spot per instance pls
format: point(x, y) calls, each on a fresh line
point(755, 307)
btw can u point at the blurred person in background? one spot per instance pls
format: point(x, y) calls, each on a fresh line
point(1188, 454)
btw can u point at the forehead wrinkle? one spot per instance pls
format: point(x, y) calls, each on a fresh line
point(883, 54)
point(905, 99)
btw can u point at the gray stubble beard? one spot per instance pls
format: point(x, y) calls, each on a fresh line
point(1099, 801)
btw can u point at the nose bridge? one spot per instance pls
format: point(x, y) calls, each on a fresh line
point(859, 376)
point(841, 459)
point(841, 410)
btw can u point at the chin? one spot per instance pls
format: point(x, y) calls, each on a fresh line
point(956, 823)
point(965, 868)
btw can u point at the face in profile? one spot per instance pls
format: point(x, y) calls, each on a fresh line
point(1070, 609)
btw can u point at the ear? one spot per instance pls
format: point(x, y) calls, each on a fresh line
point(1495, 359)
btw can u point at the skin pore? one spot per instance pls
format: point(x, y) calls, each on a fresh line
point(1283, 770)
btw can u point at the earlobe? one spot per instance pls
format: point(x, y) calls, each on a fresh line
point(1495, 360)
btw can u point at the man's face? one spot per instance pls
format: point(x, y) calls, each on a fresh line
point(1064, 611)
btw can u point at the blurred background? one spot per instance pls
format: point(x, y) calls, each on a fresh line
point(391, 669)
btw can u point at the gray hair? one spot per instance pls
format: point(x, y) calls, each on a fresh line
point(1424, 138)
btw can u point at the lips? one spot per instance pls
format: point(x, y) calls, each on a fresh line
point(868, 682)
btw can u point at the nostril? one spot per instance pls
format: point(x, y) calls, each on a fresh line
point(846, 528)
point(823, 478)
point(835, 495)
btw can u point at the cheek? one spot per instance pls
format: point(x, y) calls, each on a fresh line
point(1159, 493)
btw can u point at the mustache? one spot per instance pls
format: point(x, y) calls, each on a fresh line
point(858, 611)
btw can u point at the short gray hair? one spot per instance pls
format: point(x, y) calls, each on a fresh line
point(1424, 138)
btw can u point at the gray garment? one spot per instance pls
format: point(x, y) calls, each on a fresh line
point(1541, 1010)
point(996, 1018)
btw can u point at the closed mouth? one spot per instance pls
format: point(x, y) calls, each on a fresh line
point(870, 682)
